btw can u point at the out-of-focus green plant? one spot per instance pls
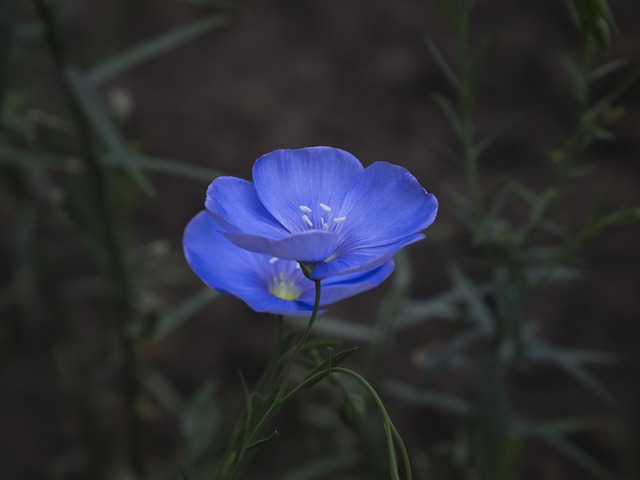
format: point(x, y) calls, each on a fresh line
point(488, 304)
point(516, 260)
point(61, 172)
point(72, 174)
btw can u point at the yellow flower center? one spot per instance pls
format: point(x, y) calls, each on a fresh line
point(284, 288)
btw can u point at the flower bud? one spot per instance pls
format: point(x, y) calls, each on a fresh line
point(353, 410)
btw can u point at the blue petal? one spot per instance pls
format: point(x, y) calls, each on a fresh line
point(361, 259)
point(286, 180)
point(340, 287)
point(309, 246)
point(386, 205)
point(236, 207)
point(230, 269)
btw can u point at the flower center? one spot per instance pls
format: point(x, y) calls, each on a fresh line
point(326, 219)
point(282, 286)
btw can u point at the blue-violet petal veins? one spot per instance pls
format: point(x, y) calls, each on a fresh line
point(288, 180)
point(237, 208)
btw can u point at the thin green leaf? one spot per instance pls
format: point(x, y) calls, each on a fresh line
point(493, 424)
point(7, 24)
point(471, 296)
point(605, 11)
point(101, 124)
point(319, 344)
point(200, 422)
point(217, 4)
point(444, 306)
point(414, 312)
point(162, 390)
point(153, 48)
point(578, 77)
point(565, 360)
point(184, 473)
point(171, 167)
point(25, 158)
point(177, 316)
point(442, 63)
point(263, 441)
point(486, 142)
point(536, 216)
point(246, 394)
point(325, 467)
point(448, 152)
point(324, 369)
point(450, 353)
point(569, 426)
point(482, 52)
point(201, 403)
point(573, 13)
point(451, 115)
point(595, 357)
point(560, 444)
point(607, 68)
point(389, 429)
point(423, 398)
point(503, 197)
point(336, 327)
point(604, 135)
point(605, 102)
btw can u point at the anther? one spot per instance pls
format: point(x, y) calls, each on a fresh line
point(339, 219)
point(297, 266)
point(326, 208)
point(273, 260)
point(305, 209)
point(307, 220)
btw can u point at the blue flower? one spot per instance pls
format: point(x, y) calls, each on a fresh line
point(320, 206)
point(266, 284)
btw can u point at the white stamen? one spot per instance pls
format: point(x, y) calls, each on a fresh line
point(326, 208)
point(305, 209)
point(298, 266)
point(339, 219)
point(273, 260)
point(307, 220)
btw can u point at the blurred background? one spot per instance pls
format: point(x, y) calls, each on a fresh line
point(506, 344)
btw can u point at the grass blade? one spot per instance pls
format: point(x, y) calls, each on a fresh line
point(568, 449)
point(331, 326)
point(442, 63)
point(325, 467)
point(572, 365)
point(174, 318)
point(423, 398)
point(101, 124)
point(7, 24)
point(152, 48)
point(170, 167)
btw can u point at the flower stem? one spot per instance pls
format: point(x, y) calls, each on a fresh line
point(252, 430)
point(303, 339)
point(109, 234)
point(389, 429)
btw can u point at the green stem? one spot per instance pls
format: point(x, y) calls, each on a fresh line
point(8, 10)
point(280, 397)
point(241, 450)
point(303, 339)
point(389, 429)
point(111, 236)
